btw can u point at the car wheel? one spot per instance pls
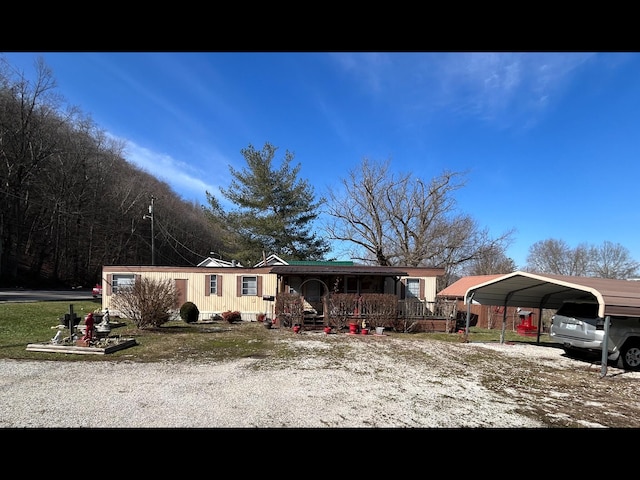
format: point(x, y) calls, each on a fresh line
point(630, 355)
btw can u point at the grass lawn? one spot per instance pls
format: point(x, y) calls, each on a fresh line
point(25, 323)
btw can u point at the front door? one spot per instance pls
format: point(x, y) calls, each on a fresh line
point(181, 287)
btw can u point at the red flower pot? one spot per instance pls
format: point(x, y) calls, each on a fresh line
point(296, 328)
point(353, 328)
point(327, 330)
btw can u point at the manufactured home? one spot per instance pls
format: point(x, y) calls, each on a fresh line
point(215, 286)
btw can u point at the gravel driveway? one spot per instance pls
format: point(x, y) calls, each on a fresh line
point(329, 381)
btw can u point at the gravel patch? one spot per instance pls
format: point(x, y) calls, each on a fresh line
point(329, 381)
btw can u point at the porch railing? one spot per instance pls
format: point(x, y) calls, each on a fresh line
point(376, 309)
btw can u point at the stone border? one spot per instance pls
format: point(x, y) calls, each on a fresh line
point(48, 347)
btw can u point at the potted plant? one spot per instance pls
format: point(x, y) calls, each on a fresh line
point(365, 329)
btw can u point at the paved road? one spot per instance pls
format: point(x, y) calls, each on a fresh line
point(20, 295)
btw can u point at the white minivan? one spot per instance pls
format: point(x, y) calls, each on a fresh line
point(577, 327)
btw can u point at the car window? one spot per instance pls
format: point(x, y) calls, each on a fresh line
point(582, 310)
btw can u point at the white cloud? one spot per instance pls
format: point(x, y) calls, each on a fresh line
point(183, 177)
point(498, 87)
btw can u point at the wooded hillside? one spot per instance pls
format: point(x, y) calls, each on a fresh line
point(70, 202)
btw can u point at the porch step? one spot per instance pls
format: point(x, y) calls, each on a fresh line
point(313, 322)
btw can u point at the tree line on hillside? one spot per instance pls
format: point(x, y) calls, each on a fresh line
point(71, 203)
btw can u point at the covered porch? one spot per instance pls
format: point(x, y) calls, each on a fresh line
point(316, 296)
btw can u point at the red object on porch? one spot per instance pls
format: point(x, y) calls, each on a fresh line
point(353, 328)
point(526, 328)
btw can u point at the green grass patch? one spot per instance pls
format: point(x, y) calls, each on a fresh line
point(25, 323)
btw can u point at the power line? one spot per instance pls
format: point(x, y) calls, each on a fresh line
point(168, 235)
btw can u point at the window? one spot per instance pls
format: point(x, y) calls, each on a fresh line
point(213, 285)
point(352, 285)
point(581, 310)
point(120, 281)
point(249, 285)
point(413, 288)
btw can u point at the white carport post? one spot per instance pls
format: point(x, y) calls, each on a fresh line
point(605, 348)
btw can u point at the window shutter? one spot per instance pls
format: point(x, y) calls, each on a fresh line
point(219, 285)
point(207, 285)
point(238, 286)
point(421, 293)
point(403, 290)
point(109, 281)
point(259, 286)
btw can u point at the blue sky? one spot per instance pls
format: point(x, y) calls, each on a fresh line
point(550, 140)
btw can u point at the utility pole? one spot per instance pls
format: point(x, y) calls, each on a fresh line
point(153, 236)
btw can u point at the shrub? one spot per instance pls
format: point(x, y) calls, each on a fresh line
point(189, 312)
point(148, 303)
point(231, 316)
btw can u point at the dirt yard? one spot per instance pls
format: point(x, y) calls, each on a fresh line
point(329, 381)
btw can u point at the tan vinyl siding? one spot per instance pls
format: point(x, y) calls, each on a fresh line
point(197, 286)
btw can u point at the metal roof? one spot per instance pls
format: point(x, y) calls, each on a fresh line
point(524, 289)
point(321, 262)
point(459, 288)
point(339, 269)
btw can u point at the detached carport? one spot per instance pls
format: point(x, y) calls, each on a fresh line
point(532, 290)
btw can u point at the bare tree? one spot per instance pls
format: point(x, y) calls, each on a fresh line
point(490, 262)
point(612, 260)
point(396, 219)
point(28, 119)
point(555, 256)
point(609, 260)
